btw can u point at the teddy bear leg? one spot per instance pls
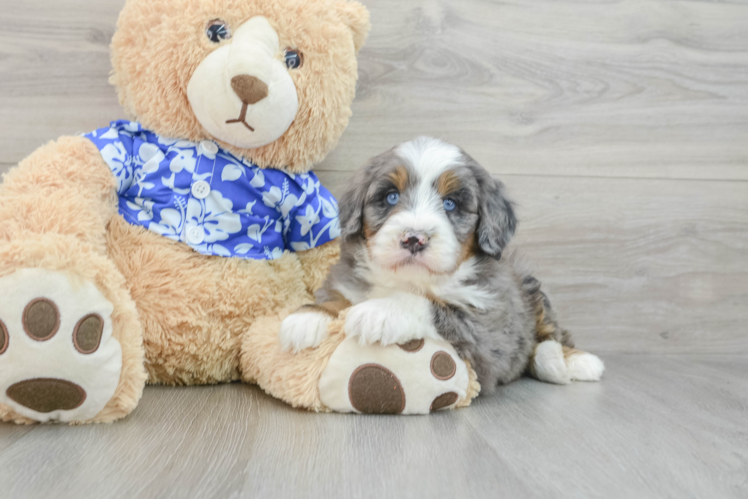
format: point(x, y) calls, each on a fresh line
point(342, 375)
point(70, 339)
point(418, 377)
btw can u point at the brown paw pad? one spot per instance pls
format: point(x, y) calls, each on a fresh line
point(87, 333)
point(374, 389)
point(4, 339)
point(412, 346)
point(47, 394)
point(443, 366)
point(41, 319)
point(444, 400)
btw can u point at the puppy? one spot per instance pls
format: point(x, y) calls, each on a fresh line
point(424, 230)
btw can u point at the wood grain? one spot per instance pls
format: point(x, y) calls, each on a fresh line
point(621, 130)
point(633, 88)
point(670, 426)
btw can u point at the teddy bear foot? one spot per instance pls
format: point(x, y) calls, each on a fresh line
point(414, 378)
point(58, 359)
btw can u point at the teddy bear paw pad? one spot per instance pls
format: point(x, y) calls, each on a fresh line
point(416, 377)
point(58, 359)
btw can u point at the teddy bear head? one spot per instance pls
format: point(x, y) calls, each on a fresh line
point(269, 80)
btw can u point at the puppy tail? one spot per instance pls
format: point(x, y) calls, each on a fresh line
point(546, 326)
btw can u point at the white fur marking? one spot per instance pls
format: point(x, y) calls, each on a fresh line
point(303, 330)
point(429, 157)
point(585, 367)
point(549, 363)
point(396, 319)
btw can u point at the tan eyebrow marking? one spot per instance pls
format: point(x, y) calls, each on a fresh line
point(448, 183)
point(400, 178)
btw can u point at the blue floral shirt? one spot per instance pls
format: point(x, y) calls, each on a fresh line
point(213, 201)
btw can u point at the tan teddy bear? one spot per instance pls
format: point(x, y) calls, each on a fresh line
point(168, 248)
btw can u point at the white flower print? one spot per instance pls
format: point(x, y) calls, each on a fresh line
point(170, 225)
point(151, 157)
point(243, 248)
point(299, 246)
point(283, 201)
point(132, 127)
point(115, 155)
point(258, 181)
point(144, 208)
point(176, 143)
point(214, 214)
point(184, 160)
point(169, 183)
point(255, 231)
point(329, 207)
point(248, 209)
point(309, 185)
point(231, 172)
point(213, 249)
point(309, 219)
point(112, 133)
point(275, 253)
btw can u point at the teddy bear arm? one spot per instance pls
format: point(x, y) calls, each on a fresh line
point(64, 187)
point(316, 264)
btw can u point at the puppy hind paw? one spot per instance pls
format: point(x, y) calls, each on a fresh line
point(585, 367)
point(549, 364)
point(303, 330)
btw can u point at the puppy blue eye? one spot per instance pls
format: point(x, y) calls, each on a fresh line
point(393, 198)
point(449, 205)
point(294, 59)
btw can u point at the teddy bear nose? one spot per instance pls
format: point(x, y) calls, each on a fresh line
point(250, 89)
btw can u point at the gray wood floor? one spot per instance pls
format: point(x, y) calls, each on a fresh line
point(665, 425)
point(621, 130)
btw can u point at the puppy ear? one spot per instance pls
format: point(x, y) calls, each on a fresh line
point(497, 221)
point(356, 17)
point(352, 207)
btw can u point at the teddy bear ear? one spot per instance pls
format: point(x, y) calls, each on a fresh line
point(356, 16)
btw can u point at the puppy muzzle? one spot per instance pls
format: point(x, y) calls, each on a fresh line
point(414, 242)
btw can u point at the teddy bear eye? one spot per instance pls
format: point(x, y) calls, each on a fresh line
point(217, 31)
point(294, 59)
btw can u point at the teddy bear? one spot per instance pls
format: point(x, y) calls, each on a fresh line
point(167, 248)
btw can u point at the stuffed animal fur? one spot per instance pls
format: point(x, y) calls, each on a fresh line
point(129, 256)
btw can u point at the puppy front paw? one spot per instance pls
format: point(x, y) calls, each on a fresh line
point(303, 330)
point(379, 320)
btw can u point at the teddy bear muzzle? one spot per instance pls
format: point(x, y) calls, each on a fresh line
point(242, 93)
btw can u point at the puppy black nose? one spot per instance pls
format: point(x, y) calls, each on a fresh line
point(250, 89)
point(414, 244)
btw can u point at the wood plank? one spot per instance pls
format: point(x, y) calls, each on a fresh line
point(625, 89)
point(636, 265)
point(668, 426)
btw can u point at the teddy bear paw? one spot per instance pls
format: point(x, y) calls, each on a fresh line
point(58, 359)
point(417, 377)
